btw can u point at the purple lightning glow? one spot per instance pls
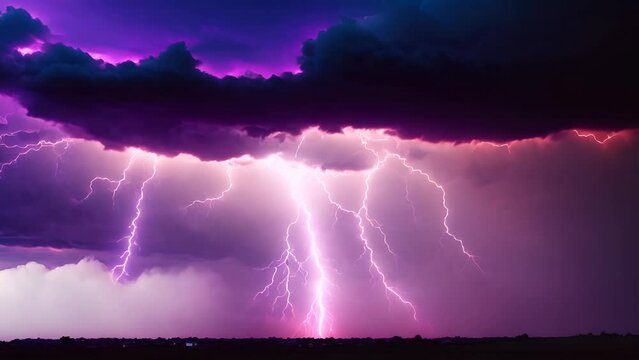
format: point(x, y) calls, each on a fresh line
point(318, 315)
point(120, 270)
point(304, 264)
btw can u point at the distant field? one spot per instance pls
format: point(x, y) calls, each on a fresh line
point(579, 347)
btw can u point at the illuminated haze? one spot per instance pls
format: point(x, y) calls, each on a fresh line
point(168, 214)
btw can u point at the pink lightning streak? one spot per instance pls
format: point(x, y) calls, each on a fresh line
point(594, 137)
point(120, 270)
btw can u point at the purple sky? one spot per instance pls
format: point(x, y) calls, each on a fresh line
point(230, 36)
point(478, 211)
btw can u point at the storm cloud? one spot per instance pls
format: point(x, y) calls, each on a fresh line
point(423, 69)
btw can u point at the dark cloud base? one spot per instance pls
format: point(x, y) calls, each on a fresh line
point(487, 72)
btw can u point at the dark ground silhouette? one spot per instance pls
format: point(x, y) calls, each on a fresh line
point(604, 346)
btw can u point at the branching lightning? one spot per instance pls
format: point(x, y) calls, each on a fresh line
point(288, 264)
point(24, 150)
point(318, 310)
point(594, 137)
point(213, 199)
point(307, 266)
point(117, 182)
point(283, 266)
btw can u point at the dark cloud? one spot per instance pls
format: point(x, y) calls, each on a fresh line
point(435, 70)
point(18, 28)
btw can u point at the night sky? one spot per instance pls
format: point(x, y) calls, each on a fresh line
point(318, 168)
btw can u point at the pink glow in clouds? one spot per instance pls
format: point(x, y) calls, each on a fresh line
point(352, 234)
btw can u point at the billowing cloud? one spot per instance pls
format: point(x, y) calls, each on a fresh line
point(424, 69)
point(18, 28)
point(81, 300)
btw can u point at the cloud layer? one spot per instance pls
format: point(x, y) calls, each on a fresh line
point(432, 70)
point(550, 220)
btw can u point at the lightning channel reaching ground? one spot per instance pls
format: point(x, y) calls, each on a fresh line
point(318, 320)
point(318, 310)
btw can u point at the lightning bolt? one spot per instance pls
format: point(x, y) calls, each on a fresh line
point(117, 182)
point(211, 200)
point(318, 317)
point(594, 137)
point(494, 144)
point(283, 266)
point(289, 265)
point(28, 149)
point(318, 310)
point(363, 217)
point(448, 232)
point(12, 134)
point(120, 270)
